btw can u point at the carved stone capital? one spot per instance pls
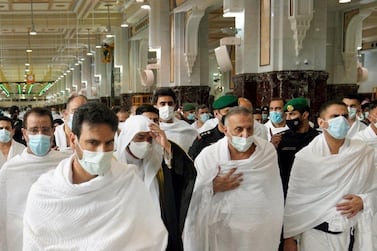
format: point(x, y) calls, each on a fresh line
point(191, 38)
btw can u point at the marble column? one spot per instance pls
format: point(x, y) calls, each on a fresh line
point(192, 94)
point(261, 87)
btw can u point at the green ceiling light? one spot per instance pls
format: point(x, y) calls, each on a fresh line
point(45, 89)
point(30, 88)
point(6, 92)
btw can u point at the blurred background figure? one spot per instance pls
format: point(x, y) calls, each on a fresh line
point(188, 112)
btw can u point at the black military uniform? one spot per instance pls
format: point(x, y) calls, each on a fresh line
point(291, 142)
point(205, 139)
point(211, 136)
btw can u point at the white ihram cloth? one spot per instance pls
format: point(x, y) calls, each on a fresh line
point(16, 177)
point(356, 127)
point(318, 182)
point(370, 138)
point(15, 148)
point(110, 212)
point(180, 132)
point(246, 218)
point(209, 124)
point(61, 139)
point(147, 167)
point(274, 130)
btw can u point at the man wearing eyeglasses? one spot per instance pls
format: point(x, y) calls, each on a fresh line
point(18, 174)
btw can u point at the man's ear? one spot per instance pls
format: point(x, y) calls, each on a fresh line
point(23, 130)
point(305, 115)
point(72, 140)
point(321, 122)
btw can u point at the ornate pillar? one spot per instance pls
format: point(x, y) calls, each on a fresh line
point(261, 87)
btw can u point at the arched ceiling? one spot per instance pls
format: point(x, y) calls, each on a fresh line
point(62, 27)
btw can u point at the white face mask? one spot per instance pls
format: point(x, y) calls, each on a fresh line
point(95, 163)
point(242, 144)
point(70, 121)
point(140, 149)
point(166, 112)
point(120, 124)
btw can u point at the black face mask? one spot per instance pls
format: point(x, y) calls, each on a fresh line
point(293, 124)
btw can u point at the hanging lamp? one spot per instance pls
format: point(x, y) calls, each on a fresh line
point(32, 32)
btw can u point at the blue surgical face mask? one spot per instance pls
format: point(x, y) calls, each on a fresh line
point(204, 117)
point(276, 117)
point(191, 116)
point(4, 136)
point(338, 127)
point(39, 144)
point(264, 116)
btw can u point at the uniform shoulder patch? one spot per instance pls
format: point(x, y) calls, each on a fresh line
point(205, 133)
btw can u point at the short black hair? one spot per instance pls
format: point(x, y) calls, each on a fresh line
point(236, 110)
point(93, 113)
point(58, 121)
point(41, 112)
point(278, 99)
point(4, 118)
point(163, 91)
point(146, 108)
point(120, 109)
point(257, 111)
point(69, 100)
point(353, 96)
point(329, 103)
point(14, 109)
point(202, 106)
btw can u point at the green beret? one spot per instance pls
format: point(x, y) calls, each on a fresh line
point(299, 104)
point(225, 101)
point(188, 107)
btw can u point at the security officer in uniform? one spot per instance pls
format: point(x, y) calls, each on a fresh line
point(206, 138)
point(293, 140)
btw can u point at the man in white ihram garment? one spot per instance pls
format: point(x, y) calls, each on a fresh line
point(91, 201)
point(237, 203)
point(19, 173)
point(369, 136)
point(62, 131)
point(353, 106)
point(168, 173)
point(8, 146)
point(178, 131)
point(332, 189)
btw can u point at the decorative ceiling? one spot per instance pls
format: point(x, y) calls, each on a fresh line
point(64, 28)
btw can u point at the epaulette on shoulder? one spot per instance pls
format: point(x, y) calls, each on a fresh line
point(205, 134)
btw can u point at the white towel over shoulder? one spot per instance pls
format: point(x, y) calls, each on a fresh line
point(110, 212)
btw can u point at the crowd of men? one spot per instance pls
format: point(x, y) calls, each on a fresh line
point(162, 178)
